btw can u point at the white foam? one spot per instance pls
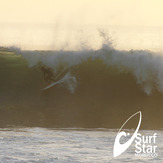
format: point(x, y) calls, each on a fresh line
point(146, 66)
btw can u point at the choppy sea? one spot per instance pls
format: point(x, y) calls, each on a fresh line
point(70, 145)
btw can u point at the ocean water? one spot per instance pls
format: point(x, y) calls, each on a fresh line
point(67, 106)
point(68, 145)
point(90, 88)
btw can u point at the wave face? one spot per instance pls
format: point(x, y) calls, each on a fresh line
point(93, 88)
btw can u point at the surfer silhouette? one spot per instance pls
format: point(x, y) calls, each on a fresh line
point(48, 74)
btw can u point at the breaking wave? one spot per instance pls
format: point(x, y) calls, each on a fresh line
point(102, 84)
point(145, 66)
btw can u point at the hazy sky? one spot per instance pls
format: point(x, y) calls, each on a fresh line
point(129, 21)
point(97, 12)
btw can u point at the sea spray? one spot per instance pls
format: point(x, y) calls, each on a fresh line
point(146, 66)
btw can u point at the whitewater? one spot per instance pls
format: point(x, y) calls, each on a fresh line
point(67, 145)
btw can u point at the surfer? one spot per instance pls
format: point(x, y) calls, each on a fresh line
point(48, 74)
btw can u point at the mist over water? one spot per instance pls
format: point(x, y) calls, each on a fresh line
point(62, 36)
point(144, 65)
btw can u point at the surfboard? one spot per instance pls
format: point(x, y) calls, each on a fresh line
point(63, 79)
point(53, 84)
